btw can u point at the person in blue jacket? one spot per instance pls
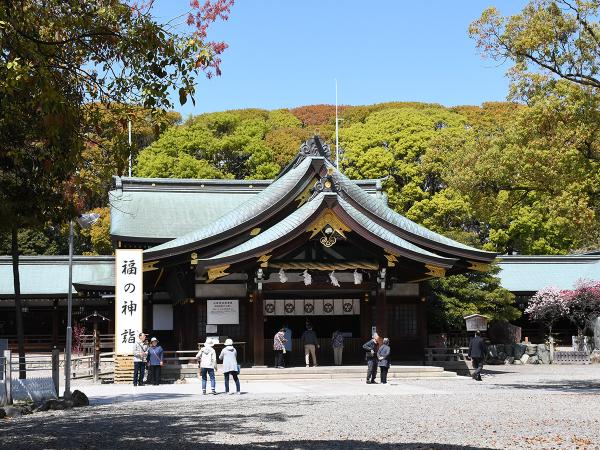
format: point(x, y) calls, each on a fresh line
point(155, 360)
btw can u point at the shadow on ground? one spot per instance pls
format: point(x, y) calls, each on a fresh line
point(567, 386)
point(182, 426)
point(141, 397)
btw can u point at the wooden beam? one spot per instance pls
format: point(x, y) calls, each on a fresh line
point(365, 317)
point(381, 317)
point(258, 343)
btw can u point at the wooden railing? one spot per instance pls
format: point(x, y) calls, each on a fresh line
point(45, 342)
point(353, 352)
point(107, 342)
point(452, 359)
point(35, 342)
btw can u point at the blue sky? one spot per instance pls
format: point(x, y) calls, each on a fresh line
point(287, 53)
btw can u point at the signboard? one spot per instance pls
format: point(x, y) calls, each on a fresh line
point(222, 312)
point(476, 322)
point(129, 298)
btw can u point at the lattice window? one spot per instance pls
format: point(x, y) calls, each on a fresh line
point(402, 320)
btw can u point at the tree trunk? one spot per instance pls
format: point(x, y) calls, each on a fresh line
point(19, 312)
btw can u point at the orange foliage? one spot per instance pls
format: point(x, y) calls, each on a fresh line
point(317, 114)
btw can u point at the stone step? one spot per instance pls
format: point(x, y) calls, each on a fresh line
point(321, 372)
point(338, 376)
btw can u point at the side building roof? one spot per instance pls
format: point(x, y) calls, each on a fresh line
point(528, 274)
point(160, 209)
point(48, 276)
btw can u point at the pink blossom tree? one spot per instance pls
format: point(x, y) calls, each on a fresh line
point(583, 304)
point(547, 306)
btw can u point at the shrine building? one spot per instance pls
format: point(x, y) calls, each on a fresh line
point(241, 258)
point(311, 245)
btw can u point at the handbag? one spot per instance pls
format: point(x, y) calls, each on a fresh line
point(239, 368)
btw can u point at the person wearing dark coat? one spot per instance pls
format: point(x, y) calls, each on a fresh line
point(477, 350)
point(371, 349)
point(383, 357)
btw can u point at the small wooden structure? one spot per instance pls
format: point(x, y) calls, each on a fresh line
point(476, 322)
point(123, 369)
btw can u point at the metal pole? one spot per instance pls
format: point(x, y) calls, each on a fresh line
point(96, 352)
point(337, 146)
point(8, 376)
point(69, 314)
point(56, 370)
point(130, 157)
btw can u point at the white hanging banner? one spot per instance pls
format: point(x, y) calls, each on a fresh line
point(311, 307)
point(129, 298)
point(269, 306)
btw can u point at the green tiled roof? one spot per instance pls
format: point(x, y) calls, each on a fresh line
point(289, 227)
point(283, 228)
point(532, 273)
point(162, 209)
point(156, 215)
point(252, 208)
point(42, 276)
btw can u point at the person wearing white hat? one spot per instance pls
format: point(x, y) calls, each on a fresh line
point(155, 360)
point(207, 360)
point(230, 365)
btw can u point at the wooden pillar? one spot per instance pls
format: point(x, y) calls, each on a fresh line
point(193, 324)
point(249, 337)
point(365, 317)
point(422, 316)
point(258, 330)
point(147, 316)
point(55, 324)
point(381, 321)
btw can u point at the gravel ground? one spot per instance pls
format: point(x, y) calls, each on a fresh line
point(514, 407)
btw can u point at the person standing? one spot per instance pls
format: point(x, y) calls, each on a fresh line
point(287, 333)
point(207, 359)
point(383, 358)
point(309, 339)
point(337, 343)
point(140, 356)
point(477, 350)
point(230, 365)
point(279, 347)
point(371, 349)
point(155, 360)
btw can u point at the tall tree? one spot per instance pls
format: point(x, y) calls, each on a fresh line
point(546, 193)
point(548, 39)
point(58, 59)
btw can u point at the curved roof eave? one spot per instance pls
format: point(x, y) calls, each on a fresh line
point(295, 224)
point(289, 228)
point(402, 246)
point(411, 230)
point(262, 205)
